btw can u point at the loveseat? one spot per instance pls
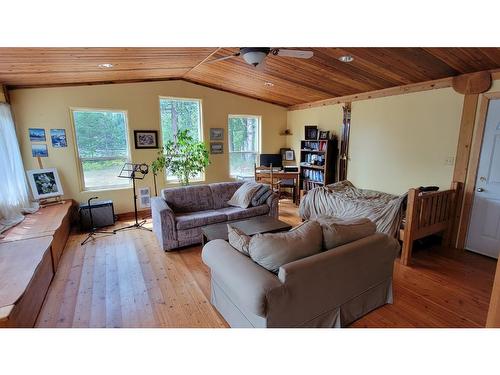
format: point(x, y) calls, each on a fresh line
point(332, 288)
point(179, 213)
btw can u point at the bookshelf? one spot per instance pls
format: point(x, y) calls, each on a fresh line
point(318, 163)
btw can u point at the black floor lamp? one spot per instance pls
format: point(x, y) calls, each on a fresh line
point(134, 172)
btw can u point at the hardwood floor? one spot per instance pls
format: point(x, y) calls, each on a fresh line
point(126, 280)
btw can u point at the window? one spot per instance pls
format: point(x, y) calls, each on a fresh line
point(244, 144)
point(102, 144)
point(180, 114)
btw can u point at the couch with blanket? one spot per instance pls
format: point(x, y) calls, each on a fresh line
point(179, 213)
point(302, 279)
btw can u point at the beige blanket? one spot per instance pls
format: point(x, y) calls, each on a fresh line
point(345, 201)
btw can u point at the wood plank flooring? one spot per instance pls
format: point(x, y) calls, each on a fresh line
point(126, 280)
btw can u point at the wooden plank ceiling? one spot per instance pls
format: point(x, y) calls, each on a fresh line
point(294, 81)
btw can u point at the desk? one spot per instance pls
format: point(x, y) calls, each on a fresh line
point(282, 175)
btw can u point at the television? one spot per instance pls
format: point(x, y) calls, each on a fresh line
point(267, 159)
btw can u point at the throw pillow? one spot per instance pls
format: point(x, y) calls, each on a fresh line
point(243, 196)
point(238, 239)
point(261, 195)
point(338, 232)
point(272, 250)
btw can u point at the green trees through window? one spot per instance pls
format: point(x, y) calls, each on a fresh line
point(102, 143)
point(180, 114)
point(244, 139)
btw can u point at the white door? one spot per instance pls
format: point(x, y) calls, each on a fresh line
point(484, 230)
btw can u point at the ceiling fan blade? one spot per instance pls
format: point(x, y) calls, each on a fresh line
point(301, 54)
point(224, 58)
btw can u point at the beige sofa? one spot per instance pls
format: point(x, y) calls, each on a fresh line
point(329, 289)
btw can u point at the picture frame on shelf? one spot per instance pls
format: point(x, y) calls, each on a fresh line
point(216, 134)
point(45, 183)
point(37, 134)
point(216, 148)
point(311, 132)
point(324, 135)
point(289, 155)
point(146, 139)
point(282, 152)
point(39, 150)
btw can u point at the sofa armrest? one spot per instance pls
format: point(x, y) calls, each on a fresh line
point(273, 203)
point(245, 282)
point(163, 222)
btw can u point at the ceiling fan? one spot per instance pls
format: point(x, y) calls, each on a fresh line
point(255, 55)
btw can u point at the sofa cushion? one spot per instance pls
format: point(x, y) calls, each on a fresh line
point(338, 232)
point(237, 213)
point(272, 250)
point(243, 196)
point(238, 239)
point(222, 192)
point(197, 219)
point(261, 195)
point(189, 198)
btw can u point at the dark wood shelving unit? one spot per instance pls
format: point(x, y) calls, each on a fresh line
point(318, 163)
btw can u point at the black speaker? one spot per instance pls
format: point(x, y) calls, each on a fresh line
point(103, 214)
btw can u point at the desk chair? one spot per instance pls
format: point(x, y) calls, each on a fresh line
point(264, 175)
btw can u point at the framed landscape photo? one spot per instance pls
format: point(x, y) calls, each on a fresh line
point(37, 135)
point(217, 148)
point(45, 183)
point(324, 134)
point(146, 138)
point(58, 137)
point(216, 134)
point(39, 151)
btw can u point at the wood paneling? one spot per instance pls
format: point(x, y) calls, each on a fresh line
point(296, 81)
point(126, 280)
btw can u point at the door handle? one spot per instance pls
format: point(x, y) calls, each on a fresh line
point(480, 190)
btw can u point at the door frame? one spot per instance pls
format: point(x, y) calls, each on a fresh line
point(475, 153)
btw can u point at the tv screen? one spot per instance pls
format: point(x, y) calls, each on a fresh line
point(267, 159)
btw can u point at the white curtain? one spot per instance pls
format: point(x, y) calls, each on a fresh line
point(14, 199)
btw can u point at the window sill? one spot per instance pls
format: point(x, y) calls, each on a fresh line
point(111, 188)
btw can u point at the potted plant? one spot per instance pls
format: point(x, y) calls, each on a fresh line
point(183, 156)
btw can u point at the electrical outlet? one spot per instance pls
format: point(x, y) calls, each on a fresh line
point(450, 160)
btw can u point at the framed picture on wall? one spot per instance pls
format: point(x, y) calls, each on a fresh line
point(45, 183)
point(216, 148)
point(216, 134)
point(146, 139)
point(39, 151)
point(37, 134)
point(58, 138)
point(311, 132)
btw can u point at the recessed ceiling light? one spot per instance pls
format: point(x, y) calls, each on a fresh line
point(268, 84)
point(346, 58)
point(106, 65)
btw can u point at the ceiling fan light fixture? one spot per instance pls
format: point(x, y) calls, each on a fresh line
point(254, 55)
point(346, 58)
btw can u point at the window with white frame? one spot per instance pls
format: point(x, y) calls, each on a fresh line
point(244, 144)
point(180, 114)
point(102, 146)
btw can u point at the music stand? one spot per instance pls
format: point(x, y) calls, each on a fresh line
point(93, 228)
point(134, 172)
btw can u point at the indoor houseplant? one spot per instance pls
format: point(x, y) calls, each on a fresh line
point(184, 157)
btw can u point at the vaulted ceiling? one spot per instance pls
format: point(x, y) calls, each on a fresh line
point(281, 80)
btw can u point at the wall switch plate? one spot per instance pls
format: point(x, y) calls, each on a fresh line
point(450, 160)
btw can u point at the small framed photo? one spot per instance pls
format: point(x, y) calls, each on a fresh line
point(289, 155)
point(39, 151)
point(216, 148)
point(146, 138)
point(45, 183)
point(311, 132)
point(282, 152)
point(37, 135)
point(216, 134)
point(58, 137)
point(324, 134)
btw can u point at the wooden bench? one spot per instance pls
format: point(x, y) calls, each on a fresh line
point(29, 256)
